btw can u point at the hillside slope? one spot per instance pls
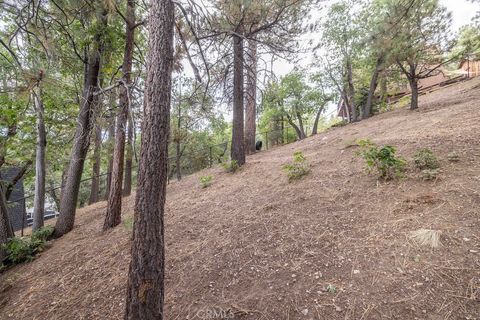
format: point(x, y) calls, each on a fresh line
point(261, 248)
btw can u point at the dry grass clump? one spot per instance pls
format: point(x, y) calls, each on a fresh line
point(426, 237)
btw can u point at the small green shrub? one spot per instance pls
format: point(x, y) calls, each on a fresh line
point(339, 123)
point(231, 166)
point(453, 157)
point(382, 159)
point(24, 249)
point(331, 288)
point(43, 234)
point(298, 168)
point(425, 159)
point(429, 174)
point(206, 181)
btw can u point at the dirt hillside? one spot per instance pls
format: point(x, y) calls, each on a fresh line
point(334, 245)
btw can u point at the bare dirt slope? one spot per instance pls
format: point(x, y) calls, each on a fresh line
point(257, 247)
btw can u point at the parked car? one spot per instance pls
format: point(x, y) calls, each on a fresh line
point(49, 214)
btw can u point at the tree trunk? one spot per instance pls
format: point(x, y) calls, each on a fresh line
point(295, 127)
point(114, 208)
point(127, 183)
point(6, 231)
point(177, 139)
point(178, 155)
point(53, 193)
point(300, 126)
point(383, 88)
point(412, 78)
point(317, 119)
point(64, 180)
point(414, 87)
point(251, 95)
point(111, 146)
point(351, 93)
point(81, 141)
point(145, 291)
point(238, 143)
point(373, 86)
point(95, 187)
point(39, 200)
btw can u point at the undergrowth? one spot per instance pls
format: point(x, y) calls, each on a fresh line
point(425, 159)
point(206, 181)
point(298, 168)
point(382, 160)
point(24, 249)
point(231, 166)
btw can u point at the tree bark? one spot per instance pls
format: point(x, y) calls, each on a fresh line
point(145, 291)
point(300, 126)
point(40, 165)
point(111, 146)
point(351, 92)
point(81, 140)
point(317, 119)
point(383, 88)
point(95, 186)
point(412, 78)
point(114, 208)
point(6, 231)
point(295, 127)
point(367, 112)
point(178, 155)
point(238, 143)
point(127, 183)
point(251, 95)
point(414, 88)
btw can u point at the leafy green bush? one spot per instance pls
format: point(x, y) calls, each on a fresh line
point(25, 248)
point(231, 166)
point(382, 159)
point(339, 123)
point(298, 168)
point(453, 157)
point(206, 181)
point(425, 159)
point(429, 174)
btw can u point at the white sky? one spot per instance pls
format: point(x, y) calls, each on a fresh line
point(463, 11)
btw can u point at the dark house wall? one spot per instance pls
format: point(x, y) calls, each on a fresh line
point(16, 210)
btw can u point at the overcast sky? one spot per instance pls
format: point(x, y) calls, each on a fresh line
point(463, 11)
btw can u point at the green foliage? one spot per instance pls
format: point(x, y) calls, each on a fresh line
point(468, 42)
point(453, 157)
point(128, 223)
point(382, 160)
point(231, 166)
point(42, 234)
point(206, 181)
point(298, 168)
point(287, 101)
point(24, 249)
point(429, 174)
point(425, 159)
point(331, 288)
point(339, 123)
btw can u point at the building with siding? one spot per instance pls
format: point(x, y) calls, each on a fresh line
point(16, 209)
